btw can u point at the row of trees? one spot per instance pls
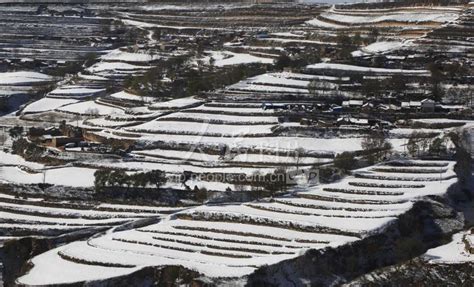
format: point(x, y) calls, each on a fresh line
point(107, 178)
point(348, 43)
point(398, 83)
point(186, 81)
point(16, 132)
point(28, 150)
point(376, 147)
point(298, 60)
point(420, 144)
point(74, 67)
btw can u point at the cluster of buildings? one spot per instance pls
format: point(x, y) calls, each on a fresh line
point(426, 106)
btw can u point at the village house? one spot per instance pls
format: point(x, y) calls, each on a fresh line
point(411, 105)
point(352, 104)
point(59, 141)
point(427, 106)
point(347, 120)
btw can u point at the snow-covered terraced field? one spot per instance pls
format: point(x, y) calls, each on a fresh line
point(90, 108)
point(75, 92)
point(226, 119)
point(123, 95)
point(181, 103)
point(240, 109)
point(47, 104)
point(225, 58)
point(455, 37)
point(234, 240)
point(23, 78)
point(241, 16)
point(91, 86)
point(177, 167)
point(116, 69)
point(364, 70)
point(190, 128)
point(209, 120)
point(234, 159)
point(272, 122)
point(271, 84)
point(397, 20)
point(279, 143)
point(123, 56)
point(23, 82)
point(259, 88)
point(68, 176)
point(23, 29)
point(14, 170)
point(418, 17)
point(98, 123)
point(323, 79)
point(284, 82)
point(38, 216)
point(381, 47)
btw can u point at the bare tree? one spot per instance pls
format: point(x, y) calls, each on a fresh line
point(376, 146)
point(3, 137)
point(299, 152)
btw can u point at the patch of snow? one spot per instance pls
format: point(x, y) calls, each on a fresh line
point(225, 58)
point(23, 78)
point(452, 253)
point(47, 104)
point(90, 108)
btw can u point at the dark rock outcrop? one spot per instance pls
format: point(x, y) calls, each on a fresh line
point(151, 276)
point(418, 272)
point(15, 254)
